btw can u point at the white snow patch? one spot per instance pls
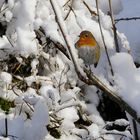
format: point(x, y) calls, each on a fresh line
point(127, 78)
point(6, 77)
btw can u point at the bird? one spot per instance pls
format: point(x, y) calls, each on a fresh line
point(88, 48)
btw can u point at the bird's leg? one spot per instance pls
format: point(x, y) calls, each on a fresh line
point(89, 68)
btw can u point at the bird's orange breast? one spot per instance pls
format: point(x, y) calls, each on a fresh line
point(86, 42)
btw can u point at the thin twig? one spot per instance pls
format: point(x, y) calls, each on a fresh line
point(91, 11)
point(62, 49)
point(28, 104)
point(70, 9)
point(126, 19)
point(66, 3)
point(114, 27)
point(68, 13)
point(10, 41)
point(104, 39)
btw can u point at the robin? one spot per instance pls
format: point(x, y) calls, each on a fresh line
point(88, 48)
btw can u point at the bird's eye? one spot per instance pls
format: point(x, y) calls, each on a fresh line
point(86, 35)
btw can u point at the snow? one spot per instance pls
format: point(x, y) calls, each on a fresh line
point(4, 43)
point(116, 6)
point(24, 26)
point(11, 3)
point(70, 114)
point(94, 131)
point(8, 16)
point(121, 122)
point(6, 77)
point(52, 96)
point(40, 120)
point(125, 71)
point(15, 125)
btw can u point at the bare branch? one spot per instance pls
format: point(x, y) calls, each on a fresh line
point(10, 41)
point(68, 13)
point(91, 11)
point(111, 69)
point(66, 3)
point(136, 137)
point(6, 127)
point(126, 19)
point(58, 18)
point(61, 48)
point(114, 27)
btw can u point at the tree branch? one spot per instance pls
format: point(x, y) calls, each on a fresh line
point(114, 27)
point(126, 19)
point(91, 11)
point(111, 69)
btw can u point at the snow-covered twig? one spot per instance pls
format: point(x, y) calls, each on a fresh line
point(97, 6)
point(66, 106)
point(63, 72)
point(63, 30)
point(114, 27)
point(114, 132)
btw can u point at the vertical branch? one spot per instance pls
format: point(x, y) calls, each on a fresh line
point(104, 39)
point(61, 25)
point(6, 126)
point(135, 130)
point(114, 27)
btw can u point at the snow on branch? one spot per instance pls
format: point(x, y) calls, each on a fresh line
point(63, 29)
